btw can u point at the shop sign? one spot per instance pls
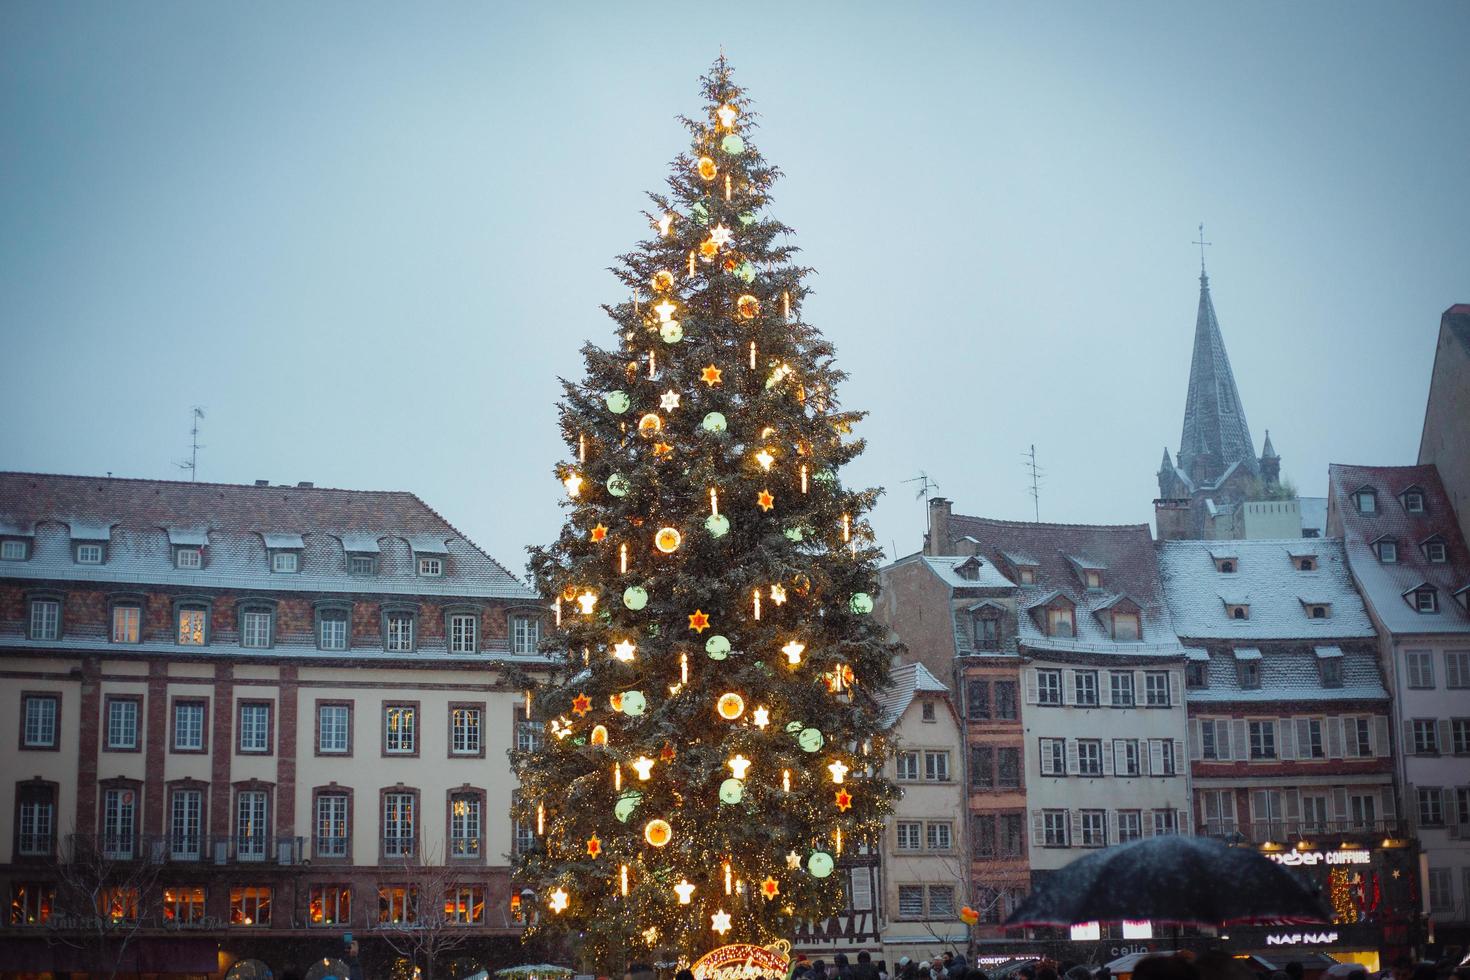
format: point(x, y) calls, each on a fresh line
point(1300, 938)
point(740, 960)
point(1307, 859)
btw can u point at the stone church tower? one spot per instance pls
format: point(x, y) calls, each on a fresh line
point(1202, 491)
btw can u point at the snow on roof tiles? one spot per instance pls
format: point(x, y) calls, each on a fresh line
point(426, 544)
point(187, 537)
point(1269, 583)
point(360, 544)
point(1327, 652)
point(904, 681)
point(1290, 674)
point(90, 530)
point(288, 541)
point(987, 575)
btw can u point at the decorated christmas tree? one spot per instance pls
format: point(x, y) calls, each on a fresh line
point(711, 749)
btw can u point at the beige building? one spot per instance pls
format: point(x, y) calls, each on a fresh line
point(253, 713)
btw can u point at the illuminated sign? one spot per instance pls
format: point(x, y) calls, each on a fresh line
point(741, 960)
point(1138, 930)
point(1299, 938)
point(1298, 859)
point(1084, 931)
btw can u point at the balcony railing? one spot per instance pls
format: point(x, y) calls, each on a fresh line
point(1261, 831)
point(399, 847)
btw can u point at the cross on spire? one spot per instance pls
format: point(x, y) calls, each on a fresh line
point(1201, 243)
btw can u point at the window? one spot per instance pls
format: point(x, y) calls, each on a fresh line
point(1426, 600)
point(1267, 812)
point(939, 836)
point(1196, 675)
point(333, 729)
point(1053, 828)
point(332, 836)
point(185, 825)
point(977, 699)
point(464, 633)
point(39, 724)
point(1012, 844)
point(45, 619)
point(1094, 828)
point(936, 767)
point(1008, 768)
point(1314, 813)
point(982, 767)
point(1388, 550)
point(119, 823)
point(1005, 700)
point(13, 549)
point(362, 565)
point(36, 830)
point(1120, 686)
point(400, 729)
point(1431, 806)
point(1238, 611)
point(89, 554)
point(1434, 551)
point(188, 558)
point(330, 905)
point(1309, 739)
point(1059, 622)
point(926, 711)
point(1084, 688)
point(1130, 825)
point(188, 726)
point(30, 903)
point(250, 825)
point(331, 629)
point(184, 905)
point(983, 842)
point(1049, 687)
point(1089, 757)
point(1250, 674)
point(1318, 610)
point(523, 838)
point(1414, 501)
point(398, 904)
point(1360, 736)
point(255, 628)
point(910, 901)
point(1125, 757)
point(1305, 563)
point(127, 623)
point(1366, 501)
point(122, 724)
point(285, 561)
point(464, 825)
point(987, 632)
point(464, 905)
point(1225, 565)
point(1362, 809)
point(1053, 757)
point(1419, 665)
point(941, 902)
point(1263, 739)
point(1460, 735)
point(908, 766)
point(1092, 578)
point(1426, 739)
point(431, 567)
point(250, 906)
point(1331, 671)
point(1161, 760)
point(255, 726)
point(119, 903)
point(464, 731)
point(1209, 748)
point(192, 623)
point(398, 632)
point(1457, 668)
point(1165, 822)
point(1441, 891)
point(525, 634)
point(1126, 627)
point(398, 824)
point(531, 735)
point(1156, 689)
point(1219, 808)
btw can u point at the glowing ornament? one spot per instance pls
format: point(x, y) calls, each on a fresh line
point(581, 704)
point(785, 780)
point(618, 402)
point(720, 921)
point(760, 717)
point(747, 218)
point(765, 500)
point(684, 890)
point(658, 832)
point(765, 458)
point(664, 224)
point(634, 703)
point(843, 800)
point(623, 879)
point(803, 478)
point(714, 422)
point(699, 621)
point(643, 765)
point(706, 168)
point(559, 900)
point(819, 864)
point(733, 145)
point(625, 650)
point(666, 308)
point(717, 646)
point(650, 424)
point(778, 593)
point(594, 846)
point(708, 249)
point(720, 235)
point(635, 597)
point(727, 114)
point(810, 740)
point(669, 401)
point(793, 651)
point(587, 602)
point(838, 770)
point(623, 558)
point(663, 281)
point(770, 888)
point(599, 735)
point(667, 540)
point(650, 935)
point(969, 916)
point(627, 803)
point(731, 706)
point(748, 307)
point(732, 791)
point(671, 332)
point(573, 483)
point(617, 485)
point(598, 533)
point(860, 603)
point(710, 375)
point(755, 601)
point(738, 766)
point(662, 449)
point(793, 861)
point(846, 528)
point(718, 525)
point(666, 754)
point(793, 534)
point(745, 272)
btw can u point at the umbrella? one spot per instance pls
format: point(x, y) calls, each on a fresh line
point(327, 969)
point(534, 970)
point(248, 970)
point(1172, 879)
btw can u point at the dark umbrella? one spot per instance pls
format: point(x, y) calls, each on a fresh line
point(1172, 879)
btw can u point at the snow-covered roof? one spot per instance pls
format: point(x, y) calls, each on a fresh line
point(1289, 673)
point(986, 574)
point(1327, 652)
point(1246, 653)
point(1269, 583)
point(188, 537)
point(360, 544)
point(285, 541)
point(90, 530)
point(427, 544)
point(904, 682)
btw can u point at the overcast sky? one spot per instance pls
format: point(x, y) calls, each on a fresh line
point(369, 238)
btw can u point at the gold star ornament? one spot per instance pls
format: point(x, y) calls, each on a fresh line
point(720, 922)
point(560, 900)
point(770, 888)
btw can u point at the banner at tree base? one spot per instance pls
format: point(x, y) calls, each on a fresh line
point(741, 961)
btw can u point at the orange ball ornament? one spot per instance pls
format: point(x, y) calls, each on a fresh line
point(650, 424)
point(667, 540)
point(706, 168)
point(748, 306)
point(730, 706)
point(663, 281)
point(658, 832)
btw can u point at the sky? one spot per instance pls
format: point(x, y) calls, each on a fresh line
point(369, 238)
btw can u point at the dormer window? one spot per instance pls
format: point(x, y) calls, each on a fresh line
point(1060, 622)
point(1434, 550)
point(1425, 599)
point(88, 554)
point(1250, 674)
point(987, 631)
point(1197, 674)
point(362, 565)
point(1329, 665)
point(1237, 609)
point(1127, 627)
point(1304, 563)
point(15, 549)
point(188, 558)
point(1366, 501)
point(1093, 578)
point(1413, 499)
point(1225, 565)
point(968, 569)
point(285, 562)
point(1318, 610)
point(1387, 549)
point(1027, 575)
point(431, 567)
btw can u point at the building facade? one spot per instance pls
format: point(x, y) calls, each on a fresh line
point(251, 713)
point(1410, 562)
point(1445, 440)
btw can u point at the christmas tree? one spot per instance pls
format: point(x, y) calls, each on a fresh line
point(711, 746)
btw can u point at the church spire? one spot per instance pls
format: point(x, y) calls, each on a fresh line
point(1215, 433)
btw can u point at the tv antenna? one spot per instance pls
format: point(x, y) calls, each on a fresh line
point(925, 485)
point(1029, 462)
point(192, 463)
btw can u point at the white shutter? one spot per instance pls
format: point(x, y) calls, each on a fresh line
point(1110, 826)
point(1334, 737)
point(1107, 759)
point(1350, 737)
point(1138, 688)
point(1293, 798)
point(1182, 824)
point(1407, 747)
point(1076, 837)
point(1146, 822)
point(1444, 737)
point(1303, 738)
point(1068, 682)
point(1259, 810)
point(1339, 804)
point(1174, 694)
point(1286, 739)
point(862, 889)
point(1180, 765)
point(1046, 757)
point(1222, 739)
point(1120, 757)
point(1196, 749)
point(1240, 742)
point(1104, 688)
point(1038, 833)
point(1031, 685)
point(1071, 751)
point(1155, 757)
point(1380, 736)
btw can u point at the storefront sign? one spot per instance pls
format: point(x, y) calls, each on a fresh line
point(741, 960)
point(1300, 938)
point(1299, 859)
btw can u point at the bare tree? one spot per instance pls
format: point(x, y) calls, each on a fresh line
point(102, 889)
point(441, 906)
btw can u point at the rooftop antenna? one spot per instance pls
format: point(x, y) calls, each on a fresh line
point(1201, 243)
point(192, 463)
point(925, 485)
point(1036, 472)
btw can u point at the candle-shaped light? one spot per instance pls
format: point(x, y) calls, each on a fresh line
point(623, 876)
point(752, 355)
point(786, 305)
point(846, 527)
point(785, 780)
point(714, 502)
point(838, 848)
point(617, 778)
point(803, 478)
point(756, 597)
point(652, 365)
point(528, 704)
point(540, 818)
point(623, 557)
point(729, 879)
point(582, 448)
point(557, 606)
point(727, 187)
point(691, 262)
point(683, 668)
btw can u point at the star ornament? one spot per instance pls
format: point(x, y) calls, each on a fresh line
point(598, 533)
point(778, 594)
point(699, 621)
point(684, 890)
point(770, 888)
point(662, 449)
point(793, 861)
point(666, 754)
point(720, 922)
point(760, 717)
point(720, 235)
point(669, 401)
point(710, 375)
point(594, 846)
point(581, 704)
point(765, 500)
point(765, 458)
point(560, 900)
point(844, 800)
point(624, 650)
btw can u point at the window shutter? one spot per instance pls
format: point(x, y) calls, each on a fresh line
point(1286, 739)
point(1239, 740)
point(1038, 833)
point(1390, 812)
point(1031, 686)
point(1293, 798)
point(1071, 753)
point(1222, 739)
point(1155, 757)
point(1303, 738)
point(1334, 737)
point(1182, 818)
point(1196, 749)
point(1076, 838)
point(1174, 695)
point(1104, 688)
point(1339, 805)
point(862, 889)
point(1138, 688)
point(1107, 760)
point(1259, 810)
point(1380, 736)
point(1408, 743)
point(1180, 766)
point(1444, 737)
point(1069, 687)
point(1120, 757)
point(1350, 737)
point(1110, 826)
point(1447, 806)
point(1146, 822)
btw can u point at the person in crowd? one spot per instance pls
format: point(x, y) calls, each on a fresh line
point(865, 970)
point(819, 970)
point(1293, 970)
point(639, 971)
point(1077, 972)
point(841, 969)
point(1165, 968)
point(350, 956)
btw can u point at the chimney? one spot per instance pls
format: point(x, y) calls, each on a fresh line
point(306, 484)
point(937, 542)
point(262, 483)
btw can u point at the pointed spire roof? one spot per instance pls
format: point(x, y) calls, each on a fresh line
point(1268, 451)
point(1168, 465)
point(1215, 430)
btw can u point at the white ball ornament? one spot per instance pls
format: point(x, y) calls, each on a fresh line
point(718, 525)
point(733, 145)
point(717, 646)
point(617, 485)
point(618, 402)
point(714, 422)
point(671, 332)
point(810, 739)
point(861, 603)
point(732, 791)
point(635, 597)
point(634, 704)
point(819, 864)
